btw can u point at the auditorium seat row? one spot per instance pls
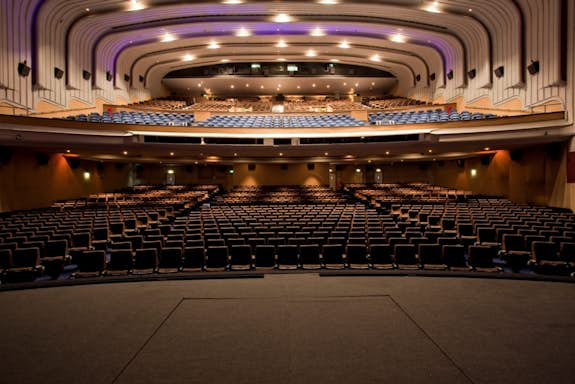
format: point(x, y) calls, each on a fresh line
point(142, 118)
point(274, 121)
point(427, 116)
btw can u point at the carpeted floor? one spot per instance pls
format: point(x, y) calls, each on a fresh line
point(291, 328)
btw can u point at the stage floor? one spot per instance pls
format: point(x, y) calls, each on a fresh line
point(291, 328)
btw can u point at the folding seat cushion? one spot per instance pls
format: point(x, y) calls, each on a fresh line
point(356, 256)
point(241, 257)
point(514, 252)
point(481, 258)
point(265, 256)
point(121, 245)
point(381, 256)
point(332, 255)
point(90, 263)
point(194, 259)
point(287, 256)
point(217, 258)
point(430, 256)
point(170, 259)
point(121, 262)
point(453, 257)
point(145, 261)
point(405, 256)
point(567, 253)
point(487, 236)
point(310, 256)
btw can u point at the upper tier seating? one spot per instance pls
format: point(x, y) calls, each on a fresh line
point(144, 118)
point(269, 121)
point(427, 116)
point(392, 103)
point(168, 104)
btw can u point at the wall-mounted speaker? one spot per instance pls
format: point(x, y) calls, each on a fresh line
point(23, 69)
point(73, 162)
point(86, 75)
point(486, 159)
point(472, 73)
point(450, 75)
point(42, 158)
point(108, 76)
point(126, 77)
point(418, 78)
point(533, 68)
point(432, 76)
point(310, 166)
point(516, 155)
point(284, 167)
point(499, 71)
point(58, 73)
point(251, 167)
point(460, 163)
point(141, 78)
point(5, 156)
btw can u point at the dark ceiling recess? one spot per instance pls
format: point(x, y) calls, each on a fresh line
point(278, 69)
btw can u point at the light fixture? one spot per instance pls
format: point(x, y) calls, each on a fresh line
point(313, 85)
point(232, 2)
point(243, 32)
point(334, 60)
point(232, 86)
point(225, 60)
point(357, 170)
point(281, 154)
point(378, 170)
point(188, 57)
point(213, 45)
point(473, 172)
point(387, 152)
point(317, 32)
point(282, 18)
point(68, 151)
point(171, 153)
point(125, 153)
point(231, 171)
point(344, 44)
point(486, 149)
point(281, 44)
point(167, 37)
point(136, 5)
point(87, 176)
point(398, 38)
point(328, 2)
point(280, 59)
point(170, 171)
point(330, 170)
point(430, 150)
point(247, 85)
point(311, 53)
point(325, 154)
point(375, 57)
point(433, 7)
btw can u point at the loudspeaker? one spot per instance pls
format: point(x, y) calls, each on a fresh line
point(141, 78)
point(251, 167)
point(499, 71)
point(516, 155)
point(284, 167)
point(126, 77)
point(5, 156)
point(73, 162)
point(418, 77)
point(58, 73)
point(310, 166)
point(460, 163)
point(486, 159)
point(450, 75)
point(108, 76)
point(42, 158)
point(23, 69)
point(86, 75)
point(472, 73)
point(432, 76)
point(533, 68)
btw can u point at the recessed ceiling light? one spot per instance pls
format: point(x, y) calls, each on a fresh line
point(87, 9)
point(432, 7)
point(430, 150)
point(378, 170)
point(199, 85)
point(188, 57)
point(125, 153)
point(298, 87)
point(325, 154)
point(398, 38)
point(261, 86)
point(311, 53)
point(486, 149)
point(281, 44)
point(344, 44)
point(225, 60)
point(136, 5)
point(171, 153)
point(328, 2)
point(281, 154)
point(247, 85)
point(280, 59)
point(282, 18)
point(213, 45)
point(317, 32)
point(334, 60)
point(328, 86)
point(243, 32)
point(168, 37)
point(375, 57)
point(387, 152)
point(232, 2)
point(232, 86)
point(313, 85)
